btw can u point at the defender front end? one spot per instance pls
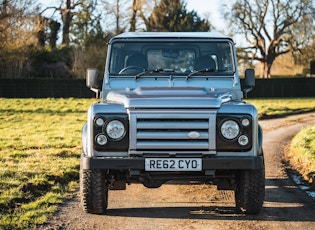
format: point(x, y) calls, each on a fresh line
point(171, 110)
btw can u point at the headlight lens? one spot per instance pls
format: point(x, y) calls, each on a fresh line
point(230, 129)
point(115, 129)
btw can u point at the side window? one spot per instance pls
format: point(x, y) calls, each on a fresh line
point(226, 58)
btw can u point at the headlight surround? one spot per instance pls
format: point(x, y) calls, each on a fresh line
point(115, 129)
point(230, 129)
point(117, 138)
point(243, 141)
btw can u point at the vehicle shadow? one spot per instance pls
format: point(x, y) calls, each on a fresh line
point(283, 202)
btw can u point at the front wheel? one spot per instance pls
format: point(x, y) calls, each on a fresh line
point(94, 191)
point(250, 191)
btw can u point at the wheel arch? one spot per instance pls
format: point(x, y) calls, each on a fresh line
point(84, 139)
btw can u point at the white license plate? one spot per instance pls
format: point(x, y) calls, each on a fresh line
point(174, 164)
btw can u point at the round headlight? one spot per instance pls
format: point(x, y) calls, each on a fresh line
point(115, 129)
point(243, 140)
point(230, 129)
point(101, 139)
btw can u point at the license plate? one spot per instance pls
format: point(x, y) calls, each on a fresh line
point(174, 164)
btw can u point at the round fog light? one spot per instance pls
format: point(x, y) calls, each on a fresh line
point(243, 140)
point(101, 139)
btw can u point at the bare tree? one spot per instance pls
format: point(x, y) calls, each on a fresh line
point(66, 16)
point(14, 13)
point(40, 33)
point(67, 12)
point(117, 14)
point(134, 9)
point(123, 15)
point(16, 37)
point(140, 12)
point(4, 15)
point(270, 28)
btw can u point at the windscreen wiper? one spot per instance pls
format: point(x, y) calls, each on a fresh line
point(153, 71)
point(206, 70)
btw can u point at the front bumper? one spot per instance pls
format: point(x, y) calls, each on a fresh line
point(210, 163)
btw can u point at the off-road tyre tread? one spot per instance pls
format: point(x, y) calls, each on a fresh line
point(94, 191)
point(250, 191)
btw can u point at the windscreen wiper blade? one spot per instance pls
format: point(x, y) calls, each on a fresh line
point(153, 71)
point(206, 70)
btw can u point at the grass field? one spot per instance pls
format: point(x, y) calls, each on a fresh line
point(40, 146)
point(39, 157)
point(269, 108)
point(302, 154)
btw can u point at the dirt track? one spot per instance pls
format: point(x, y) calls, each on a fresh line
point(202, 206)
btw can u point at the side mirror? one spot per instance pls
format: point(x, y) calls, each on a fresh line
point(93, 80)
point(249, 82)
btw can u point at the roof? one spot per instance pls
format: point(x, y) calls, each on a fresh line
point(211, 35)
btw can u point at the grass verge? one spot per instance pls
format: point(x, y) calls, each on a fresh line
point(301, 154)
point(39, 157)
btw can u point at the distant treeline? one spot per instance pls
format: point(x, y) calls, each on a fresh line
point(61, 38)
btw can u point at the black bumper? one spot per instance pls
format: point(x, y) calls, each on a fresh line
point(138, 163)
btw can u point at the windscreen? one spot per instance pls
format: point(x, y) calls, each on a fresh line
point(179, 58)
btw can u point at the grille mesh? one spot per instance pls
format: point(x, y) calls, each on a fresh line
point(171, 131)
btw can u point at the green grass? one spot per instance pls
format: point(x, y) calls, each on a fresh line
point(279, 107)
point(40, 146)
point(302, 154)
point(40, 143)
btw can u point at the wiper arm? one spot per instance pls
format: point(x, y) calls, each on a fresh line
point(153, 71)
point(203, 71)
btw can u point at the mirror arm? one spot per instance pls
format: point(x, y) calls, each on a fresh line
point(247, 90)
point(97, 92)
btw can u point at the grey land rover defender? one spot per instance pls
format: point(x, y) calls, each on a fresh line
point(171, 110)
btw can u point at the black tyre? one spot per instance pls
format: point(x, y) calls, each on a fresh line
point(93, 191)
point(250, 191)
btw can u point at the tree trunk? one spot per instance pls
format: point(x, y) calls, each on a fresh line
point(4, 16)
point(66, 20)
point(264, 73)
point(117, 17)
point(133, 16)
point(269, 70)
point(266, 69)
point(54, 28)
point(41, 23)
